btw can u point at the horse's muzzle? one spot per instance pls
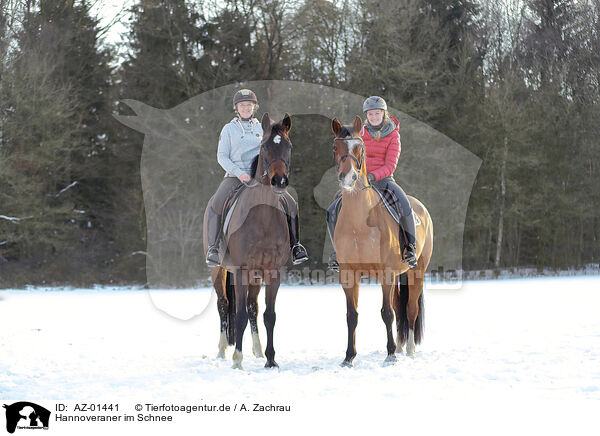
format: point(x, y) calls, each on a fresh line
point(279, 183)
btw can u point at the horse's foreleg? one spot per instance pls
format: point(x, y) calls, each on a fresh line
point(252, 307)
point(241, 315)
point(219, 276)
point(388, 318)
point(352, 320)
point(271, 288)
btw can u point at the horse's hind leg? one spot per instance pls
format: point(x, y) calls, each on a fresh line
point(241, 315)
point(271, 288)
point(415, 286)
point(388, 318)
point(400, 311)
point(253, 290)
point(219, 275)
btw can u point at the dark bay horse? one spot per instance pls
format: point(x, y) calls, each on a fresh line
point(366, 242)
point(257, 240)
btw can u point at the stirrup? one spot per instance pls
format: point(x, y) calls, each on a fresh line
point(333, 264)
point(212, 257)
point(410, 257)
point(299, 254)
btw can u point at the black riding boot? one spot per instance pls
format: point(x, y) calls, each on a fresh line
point(299, 253)
point(407, 235)
point(214, 238)
point(332, 215)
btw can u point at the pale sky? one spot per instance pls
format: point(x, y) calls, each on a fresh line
point(109, 11)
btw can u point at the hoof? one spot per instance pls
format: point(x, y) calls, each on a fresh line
point(389, 360)
point(256, 346)
point(410, 352)
point(237, 360)
point(271, 364)
point(222, 345)
point(346, 364)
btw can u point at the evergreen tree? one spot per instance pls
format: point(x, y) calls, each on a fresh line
point(54, 146)
point(160, 70)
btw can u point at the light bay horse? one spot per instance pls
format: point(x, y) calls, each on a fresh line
point(366, 242)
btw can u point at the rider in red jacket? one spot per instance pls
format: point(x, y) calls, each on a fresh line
point(381, 137)
point(382, 152)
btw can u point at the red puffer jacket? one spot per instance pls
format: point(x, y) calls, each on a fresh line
point(382, 154)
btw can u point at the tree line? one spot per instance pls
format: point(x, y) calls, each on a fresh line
point(516, 82)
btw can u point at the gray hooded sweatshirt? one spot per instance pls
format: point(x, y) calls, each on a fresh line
point(239, 144)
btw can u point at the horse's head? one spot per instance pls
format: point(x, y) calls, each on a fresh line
point(348, 153)
point(275, 151)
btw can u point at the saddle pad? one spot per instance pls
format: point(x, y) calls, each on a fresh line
point(386, 202)
point(230, 207)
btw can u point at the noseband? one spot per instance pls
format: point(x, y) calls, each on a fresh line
point(267, 165)
point(359, 163)
point(350, 155)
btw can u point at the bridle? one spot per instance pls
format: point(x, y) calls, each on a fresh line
point(359, 163)
point(267, 165)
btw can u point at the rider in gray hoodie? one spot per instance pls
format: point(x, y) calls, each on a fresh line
point(239, 144)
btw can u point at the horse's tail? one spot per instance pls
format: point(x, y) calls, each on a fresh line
point(230, 293)
point(402, 302)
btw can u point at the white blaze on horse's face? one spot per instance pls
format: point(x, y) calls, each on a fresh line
point(352, 143)
point(277, 139)
point(348, 183)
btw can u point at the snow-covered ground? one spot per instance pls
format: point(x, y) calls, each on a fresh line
point(498, 356)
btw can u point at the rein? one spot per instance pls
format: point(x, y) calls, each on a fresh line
point(359, 163)
point(266, 164)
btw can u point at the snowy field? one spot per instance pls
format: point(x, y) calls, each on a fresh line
point(498, 357)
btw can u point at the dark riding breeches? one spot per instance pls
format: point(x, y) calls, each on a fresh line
point(399, 201)
point(227, 186)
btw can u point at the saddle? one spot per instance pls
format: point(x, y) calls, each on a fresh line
point(227, 212)
point(388, 198)
point(229, 205)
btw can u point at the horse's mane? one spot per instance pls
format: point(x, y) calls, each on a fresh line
point(254, 166)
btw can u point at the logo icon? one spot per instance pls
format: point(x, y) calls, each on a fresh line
point(26, 415)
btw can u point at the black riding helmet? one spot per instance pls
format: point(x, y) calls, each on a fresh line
point(244, 95)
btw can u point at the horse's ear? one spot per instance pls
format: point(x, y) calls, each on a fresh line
point(287, 122)
point(265, 122)
point(336, 126)
point(358, 124)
